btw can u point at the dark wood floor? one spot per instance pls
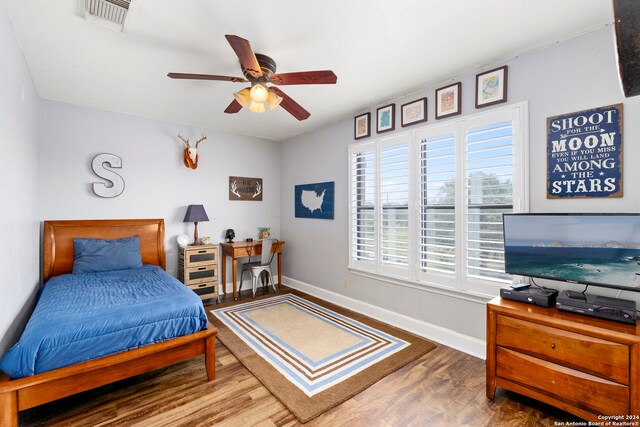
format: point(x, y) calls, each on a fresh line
point(442, 388)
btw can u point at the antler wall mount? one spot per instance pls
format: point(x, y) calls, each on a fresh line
point(259, 70)
point(191, 155)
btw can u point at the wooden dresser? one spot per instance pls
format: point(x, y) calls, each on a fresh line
point(198, 269)
point(583, 365)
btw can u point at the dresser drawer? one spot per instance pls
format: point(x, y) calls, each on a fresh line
point(205, 273)
point(193, 257)
point(574, 387)
point(205, 290)
point(603, 358)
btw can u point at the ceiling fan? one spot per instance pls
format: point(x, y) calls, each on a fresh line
point(259, 70)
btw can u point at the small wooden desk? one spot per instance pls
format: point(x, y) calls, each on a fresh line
point(244, 249)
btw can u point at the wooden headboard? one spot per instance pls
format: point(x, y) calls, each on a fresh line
point(58, 240)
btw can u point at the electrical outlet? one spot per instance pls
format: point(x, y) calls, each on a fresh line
point(345, 282)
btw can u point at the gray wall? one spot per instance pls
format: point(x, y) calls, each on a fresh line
point(576, 74)
point(19, 227)
point(157, 184)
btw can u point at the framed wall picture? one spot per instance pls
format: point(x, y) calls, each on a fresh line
point(386, 118)
point(362, 126)
point(413, 112)
point(448, 101)
point(491, 87)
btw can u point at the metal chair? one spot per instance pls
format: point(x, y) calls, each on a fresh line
point(257, 268)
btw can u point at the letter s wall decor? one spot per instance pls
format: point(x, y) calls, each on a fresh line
point(117, 183)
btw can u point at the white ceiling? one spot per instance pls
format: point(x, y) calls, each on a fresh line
point(379, 50)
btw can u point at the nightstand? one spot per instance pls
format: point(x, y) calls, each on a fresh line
point(198, 269)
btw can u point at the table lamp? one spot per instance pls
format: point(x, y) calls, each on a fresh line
point(195, 214)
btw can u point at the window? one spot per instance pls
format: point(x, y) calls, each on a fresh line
point(426, 206)
point(394, 200)
point(437, 203)
point(363, 164)
point(488, 194)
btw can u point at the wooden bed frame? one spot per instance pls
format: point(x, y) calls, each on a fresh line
point(24, 393)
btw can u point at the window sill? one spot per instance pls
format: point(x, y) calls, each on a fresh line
point(475, 297)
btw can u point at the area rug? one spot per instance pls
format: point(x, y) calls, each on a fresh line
point(310, 354)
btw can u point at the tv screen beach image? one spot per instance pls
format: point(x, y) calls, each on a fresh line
point(598, 249)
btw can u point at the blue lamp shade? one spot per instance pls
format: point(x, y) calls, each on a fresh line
point(195, 213)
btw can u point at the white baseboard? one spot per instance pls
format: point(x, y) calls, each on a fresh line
point(246, 284)
point(470, 345)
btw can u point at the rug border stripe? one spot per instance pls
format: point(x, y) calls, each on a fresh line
point(302, 406)
point(310, 380)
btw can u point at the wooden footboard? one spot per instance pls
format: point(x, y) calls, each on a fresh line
point(24, 393)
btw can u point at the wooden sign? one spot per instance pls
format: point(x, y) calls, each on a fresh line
point(243, 188)
point(584, 153)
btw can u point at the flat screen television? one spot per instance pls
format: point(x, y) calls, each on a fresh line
point(591, 249)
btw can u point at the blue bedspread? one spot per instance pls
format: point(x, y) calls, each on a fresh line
point(80, 317)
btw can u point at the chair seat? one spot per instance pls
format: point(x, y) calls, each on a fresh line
point(254, 264)
point(257, 268)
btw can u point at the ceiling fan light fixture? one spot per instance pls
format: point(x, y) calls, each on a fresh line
point(259, 71)
point(273, 100)
point(259, 93)
point(243, 96)
point(257, 107)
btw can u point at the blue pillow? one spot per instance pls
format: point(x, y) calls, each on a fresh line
point(94, 255)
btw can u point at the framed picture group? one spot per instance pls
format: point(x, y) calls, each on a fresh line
point(490, 89)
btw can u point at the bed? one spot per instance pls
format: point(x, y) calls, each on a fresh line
point(45, 381)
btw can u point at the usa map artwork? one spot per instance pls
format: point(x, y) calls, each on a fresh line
point(315, 200)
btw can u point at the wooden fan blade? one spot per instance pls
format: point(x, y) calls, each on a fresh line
point(206, 77)
point(247, 58)
point(291, 106)
point(233, 108)
point(323, 77)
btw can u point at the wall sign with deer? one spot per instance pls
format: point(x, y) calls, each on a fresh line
point(243, 188)
point(191, 156)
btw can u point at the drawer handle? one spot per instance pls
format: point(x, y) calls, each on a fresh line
point(202, 286)
point(202, 268)
point(202, 252)
point(553, 346)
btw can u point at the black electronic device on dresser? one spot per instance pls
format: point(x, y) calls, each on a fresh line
point(597, 306)
point(536, 296)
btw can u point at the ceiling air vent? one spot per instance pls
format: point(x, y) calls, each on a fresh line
point(110, 13)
